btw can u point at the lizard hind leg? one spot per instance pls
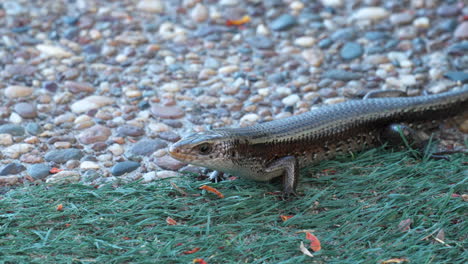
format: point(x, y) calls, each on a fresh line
point(290, 166)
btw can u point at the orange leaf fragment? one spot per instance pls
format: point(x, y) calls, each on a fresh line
point(67, 225)
point(55, 170)
point(171, 221)
point(286, 217)
point(212, 190)
point(191, 251)
point(238, 22)
point(126, 238)
point(394, 260)
point(200, 261)
point(60, 207)
point(314, 242)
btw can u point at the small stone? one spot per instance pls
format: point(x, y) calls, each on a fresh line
point(283, 22)
point(351, 50)
point(166, 174)
point(6, 139)
point(50, 86)
point(332, 3)
point(228, 69)
point(64, 177)
point(153, 6)
point(9, 180)
point(63, 155)
point(249, 119)
point(33, 129)
point(149, 177)
point(421, 23)
point(305, 41)
point(168, 163)
point(325, 43)
point(90, 103)
point(461, 31)
point(78, 87)
point(12, 168)
point(116, 149)
point(401, 18)
point(260, 42)
point(146, 147)
point(94, 134)
point(457, 76)
point(121, 168)
point(313, 56)
point(172, 87)
point(440, 86)
point(167, 112)
point(89, 165)
point(199, 13)
point(130, 131)
point(39, 171)
point(12, 129)
point(458, 48)
point(291, 100)
point(14, 151)
point(17, 91)
point(370, 13)
point(53, 51)
point(341, 75)
point(335, 100)
point(445, 10)
point(26, 110)
point(169, 136)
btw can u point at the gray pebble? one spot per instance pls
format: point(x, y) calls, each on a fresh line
point(63, 155)
point(260, 42)
point(131, 131)
point(12, 129)
point(283, 22)
point(12, 168)
point(341, 75)
point(26, 110)
point(169, 163)
point(123, 167)
point(344, 34)
point(146, 147)
point(351, 50)
point(39, 171)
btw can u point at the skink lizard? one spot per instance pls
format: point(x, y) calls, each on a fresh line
point(282, 147)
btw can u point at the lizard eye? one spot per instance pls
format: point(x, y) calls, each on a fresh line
point(204, 149)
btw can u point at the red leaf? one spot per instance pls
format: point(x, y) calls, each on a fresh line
point(314, 242)
point(191, 251)
point(170, 221)
point(286, 217)
point(238, 22)
point(55, 170)
point(60, 207)
point(199, 261)
point(212, 190)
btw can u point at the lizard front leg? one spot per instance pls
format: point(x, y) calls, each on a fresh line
point(290, 168)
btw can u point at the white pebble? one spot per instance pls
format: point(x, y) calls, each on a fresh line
point(64, 177)
point(370, 13)
point(116, 149)
point(333, 3)
point(291, 100)
point(6, 139)
point(166, 174)
point(15, 118)
point(249, 119)
point(89, 165)
point(283, 91)
point(90, 103)
point(172, 87)
point(228, 69)
point(53, 51)
point(199, 13)
point(149, 177)
point(421, 22)
point(305, 41)
point(153, 6)
point(14, 151)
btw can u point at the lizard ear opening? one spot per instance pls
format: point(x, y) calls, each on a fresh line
point(204, 149)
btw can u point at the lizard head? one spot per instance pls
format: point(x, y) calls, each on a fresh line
point(207, 149)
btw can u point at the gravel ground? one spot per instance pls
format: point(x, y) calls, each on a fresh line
point(94, 91)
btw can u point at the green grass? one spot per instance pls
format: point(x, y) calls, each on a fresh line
point(354, 208)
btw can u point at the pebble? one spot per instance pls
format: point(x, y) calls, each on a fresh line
point(167, 112)
point(283, 22)
point(457, 76)
point(290, 100)
point(116, 149)
point(63, 155)
point(313, 56)
point(33, 129)
point(97, 133)
point(332, 3)
point(90, 103)
point(78, 87)
point(130, 131)
point(305, 41)
point(64, 177)
point(121, 168)
point(18, 91)
point(351, 50)
point(14, 151)
point(26, 110)
point(461, 31)
point(89, 165)
point(168, 163)
point(53, 51)
point(39, 171)
point(166, 174)
point(172, 87)
point(249, 119)
point(228, 69)
point(146, 147)
point(149, 177)
point(6, 139)
point(401, 18)
point(12, 168)
point(370, 13)
point(422, 23)
point(445, 10)
point(341, 75)
point(153, 6)
point(12, 129)
point(199, 13)
point(260, 42)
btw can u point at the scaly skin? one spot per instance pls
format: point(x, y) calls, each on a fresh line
point(267, 150)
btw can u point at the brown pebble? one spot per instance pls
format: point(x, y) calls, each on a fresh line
point(169, 163)
point(94, 134)
point(78, 87)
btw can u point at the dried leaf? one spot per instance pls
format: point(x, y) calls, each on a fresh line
point(60, 207)
point(191, 251)
point(304, 250)
point(180, 190)
point(238, 22)
point(199, 261)
point(212, 190)
point(441, 235)
point(286, 217)
point(314, 242)
point(171, 221)
point(394, 260)
point(405, 225)
point(55, 170)
point(126, 238)
point(67, 225)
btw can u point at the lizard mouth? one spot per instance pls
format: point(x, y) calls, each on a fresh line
point(178, 154)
